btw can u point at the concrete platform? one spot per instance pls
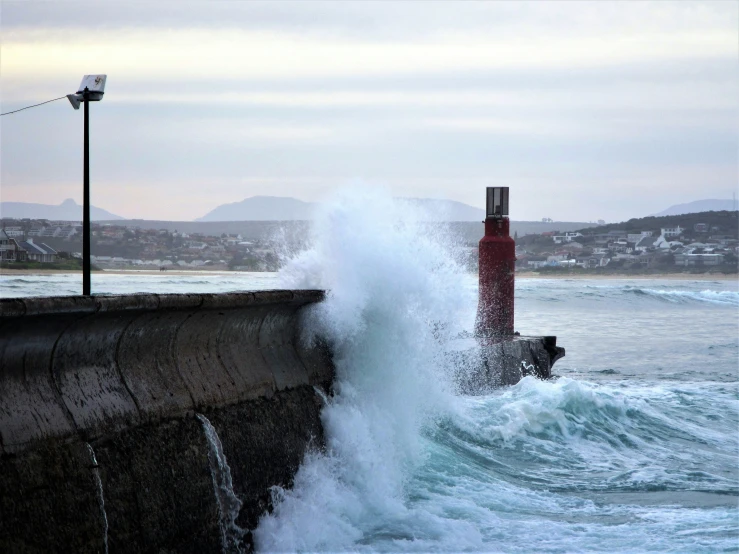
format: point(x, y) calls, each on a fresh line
point(484, 364)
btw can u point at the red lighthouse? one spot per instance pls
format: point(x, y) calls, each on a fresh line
point(497, 265)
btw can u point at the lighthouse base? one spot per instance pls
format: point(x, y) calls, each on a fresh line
point(482, 365)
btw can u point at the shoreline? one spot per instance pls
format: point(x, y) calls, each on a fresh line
point(525, 276)
point(125, 272)
point(626, 276)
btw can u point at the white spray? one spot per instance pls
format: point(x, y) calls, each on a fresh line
point(393, 290)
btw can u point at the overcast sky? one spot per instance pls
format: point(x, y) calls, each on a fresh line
point(587, 110)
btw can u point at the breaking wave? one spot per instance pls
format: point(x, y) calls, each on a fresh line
point(392, 289)
point(714, 297)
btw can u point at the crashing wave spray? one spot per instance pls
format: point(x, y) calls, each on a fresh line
point(393, 289)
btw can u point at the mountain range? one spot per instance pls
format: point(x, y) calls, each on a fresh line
point(276, 208)
point(262, 208)
point(68, 210)
point(697, 206)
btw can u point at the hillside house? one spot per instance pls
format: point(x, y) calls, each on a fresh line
point(603, 239)
point(622, 246)
point(49, 232)
point(68, 231)
point(698, 257)
point(566, 263)
point(668, 232)
point(571, 247)
point(14, 232)
point(646, 243)
point(567, 237)
point(9, 251)
point(535, 262)
point(37, 252)
point(636, 237)
point(593, 261)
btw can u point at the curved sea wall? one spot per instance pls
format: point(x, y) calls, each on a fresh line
point(152, 423)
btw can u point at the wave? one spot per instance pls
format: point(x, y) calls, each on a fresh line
point(723, 297)
point(675, 294)
point(15, 280)
point(387, 279)
point(597, 437)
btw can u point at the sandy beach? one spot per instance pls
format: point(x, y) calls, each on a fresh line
point(525, 275)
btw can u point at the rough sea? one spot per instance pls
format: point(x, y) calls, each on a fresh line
point(633, 447)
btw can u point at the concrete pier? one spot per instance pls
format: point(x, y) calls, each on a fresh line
point(100, 449)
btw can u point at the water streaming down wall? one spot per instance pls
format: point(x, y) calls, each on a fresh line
point(229, 504)
point(101, 494)
point(112, 385)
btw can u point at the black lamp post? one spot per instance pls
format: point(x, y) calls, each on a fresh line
point(91, 89)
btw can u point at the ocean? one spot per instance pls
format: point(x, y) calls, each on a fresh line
point(632, 447)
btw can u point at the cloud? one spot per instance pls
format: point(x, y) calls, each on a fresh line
point(216, 101)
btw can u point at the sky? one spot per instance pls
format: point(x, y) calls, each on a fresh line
point(587, 110)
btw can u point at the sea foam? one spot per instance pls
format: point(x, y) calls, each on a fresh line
point(393, 295)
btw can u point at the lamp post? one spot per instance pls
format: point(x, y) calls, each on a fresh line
point(91, 89)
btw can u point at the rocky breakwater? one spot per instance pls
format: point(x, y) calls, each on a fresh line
point(482, 364)
point(152, 423)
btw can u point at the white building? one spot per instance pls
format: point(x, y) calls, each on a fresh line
point(668, 232)
point(14, 232)
point(66, 232)
point(567, 237)
point(698, 257)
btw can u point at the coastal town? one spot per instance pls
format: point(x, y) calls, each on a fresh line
point(120, 247)
point(674, 248)
point(690, 244)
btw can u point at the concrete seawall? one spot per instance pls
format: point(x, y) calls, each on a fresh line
point(105, 408)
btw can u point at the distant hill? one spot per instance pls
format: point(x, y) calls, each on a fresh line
point(68, 210)
point(697, 207)
point(276, 208)
point(726, 221)
point(446, 210)
point(262, 208)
